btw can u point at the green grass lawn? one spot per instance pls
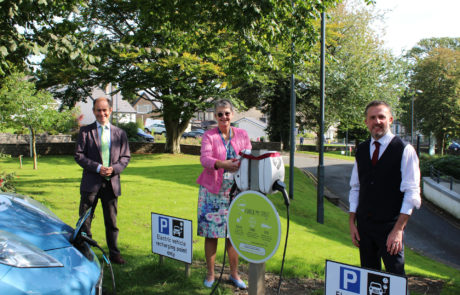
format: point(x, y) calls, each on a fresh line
point(165, 184)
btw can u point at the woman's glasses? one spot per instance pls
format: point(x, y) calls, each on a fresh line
point(221, 114)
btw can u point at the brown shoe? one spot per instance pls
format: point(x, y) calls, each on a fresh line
point(117, 259)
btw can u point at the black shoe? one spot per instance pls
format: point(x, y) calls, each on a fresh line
point(117, 259)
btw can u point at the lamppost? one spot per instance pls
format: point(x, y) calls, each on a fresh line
point(412, 117)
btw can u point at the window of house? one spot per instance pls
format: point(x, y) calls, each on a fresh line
point(144, 109)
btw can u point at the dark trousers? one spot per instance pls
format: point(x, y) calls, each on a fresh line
point(109, 209)
point(373, 249)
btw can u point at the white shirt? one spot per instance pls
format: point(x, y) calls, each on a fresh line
point(99, 131)
point(410, 177)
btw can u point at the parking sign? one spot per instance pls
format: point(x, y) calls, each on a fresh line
point(343, 279)
point(172, 237)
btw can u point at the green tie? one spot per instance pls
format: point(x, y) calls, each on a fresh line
point(105, 133)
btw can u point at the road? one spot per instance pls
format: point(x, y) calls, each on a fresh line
point(428, 232)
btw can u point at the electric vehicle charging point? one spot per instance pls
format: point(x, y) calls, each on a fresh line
point(253, 222)
point(254, 226)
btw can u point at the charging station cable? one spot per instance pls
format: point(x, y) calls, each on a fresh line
point(281, 187)
point(93, 243)
point(232, 195)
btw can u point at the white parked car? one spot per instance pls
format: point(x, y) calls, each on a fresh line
point(156, 128)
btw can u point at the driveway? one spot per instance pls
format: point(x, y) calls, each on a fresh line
point(428, 232)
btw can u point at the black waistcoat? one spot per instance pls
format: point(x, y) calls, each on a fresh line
point(380, 197)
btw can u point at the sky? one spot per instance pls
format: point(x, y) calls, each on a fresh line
point(409, 21)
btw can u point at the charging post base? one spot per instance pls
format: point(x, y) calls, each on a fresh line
point(256, 279)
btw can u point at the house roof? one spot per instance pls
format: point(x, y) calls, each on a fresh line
point(121, 106)
point(253, 121)
point(148, 97)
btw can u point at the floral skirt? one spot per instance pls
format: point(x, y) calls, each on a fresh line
point(213, 210)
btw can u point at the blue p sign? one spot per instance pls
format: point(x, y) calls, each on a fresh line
point(163, 224)
point(349, 280)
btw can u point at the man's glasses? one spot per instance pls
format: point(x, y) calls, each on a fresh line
point(221, 114)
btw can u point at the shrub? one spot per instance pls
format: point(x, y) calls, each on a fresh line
point(449, 165)
point(131, 130)
point(7, 182)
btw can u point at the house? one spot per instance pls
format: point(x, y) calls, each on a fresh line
point(254, 113)
point(206, 120)
point(254, 127)
point(122, 112)
point(146, 107)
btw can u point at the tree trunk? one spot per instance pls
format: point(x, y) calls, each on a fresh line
point(176, 121)
point(34, 149)
point(440, 144)
point(172, 145)
point(173, 135)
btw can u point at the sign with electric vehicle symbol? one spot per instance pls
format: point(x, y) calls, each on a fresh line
point(172, 237)
point(254, 226)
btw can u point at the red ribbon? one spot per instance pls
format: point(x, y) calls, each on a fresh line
point(264, 156)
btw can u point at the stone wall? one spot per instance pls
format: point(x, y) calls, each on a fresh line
point(40, 138)
point(271, 146)
point(63, 148)
point(68, 148)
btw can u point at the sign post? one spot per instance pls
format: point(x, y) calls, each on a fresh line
point(172, 237)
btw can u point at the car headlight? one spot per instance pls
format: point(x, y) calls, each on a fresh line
point(19, 253)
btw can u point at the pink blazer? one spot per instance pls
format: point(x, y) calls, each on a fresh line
point(213, 149)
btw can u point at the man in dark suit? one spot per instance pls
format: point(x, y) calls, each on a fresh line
point(102, 151)
point(385, 188)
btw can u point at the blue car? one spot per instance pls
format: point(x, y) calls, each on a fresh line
point(454, 146)
point(36, 253)
point(193, 134)
point(145, 136)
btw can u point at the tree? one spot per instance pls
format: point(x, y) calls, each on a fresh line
point(437, 109)
point(31, 27)
point(184, 53)
point(424, 46)
point(277, 106)
point(21, 105)
point(358, 70)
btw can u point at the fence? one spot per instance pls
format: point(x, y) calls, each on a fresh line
point(438, 176)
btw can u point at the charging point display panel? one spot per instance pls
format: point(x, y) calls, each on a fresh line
point(254, 226)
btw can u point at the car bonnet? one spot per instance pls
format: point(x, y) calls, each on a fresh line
point(22, 217)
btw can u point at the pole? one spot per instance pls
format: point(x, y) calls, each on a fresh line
point(412, 122)
point(412, 116)
point(293, 136)
point(346, 144)
point(320, 188)
point(418, 145)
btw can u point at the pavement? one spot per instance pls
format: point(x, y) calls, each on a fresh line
point(429, 232)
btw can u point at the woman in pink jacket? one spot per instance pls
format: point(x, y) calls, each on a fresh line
point(219, 149)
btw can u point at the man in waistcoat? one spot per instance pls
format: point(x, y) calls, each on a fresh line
point(102, 151)
point(385, 188)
